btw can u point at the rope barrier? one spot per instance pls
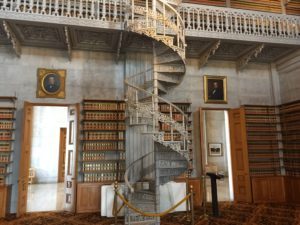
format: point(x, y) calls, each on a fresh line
point(116, 213)
point(152, 214)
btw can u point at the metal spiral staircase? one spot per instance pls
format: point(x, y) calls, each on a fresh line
point(153, 157)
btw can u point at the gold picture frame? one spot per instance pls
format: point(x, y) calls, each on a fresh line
point(215, 89)
point(50, 83)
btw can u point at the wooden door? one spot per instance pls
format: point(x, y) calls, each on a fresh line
point(25, 158)
point(71, 159)
point(62, 155)
point(239, 156)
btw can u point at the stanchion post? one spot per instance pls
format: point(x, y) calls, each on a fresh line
point(192, 205)
point(115, 208)
point(187, 192)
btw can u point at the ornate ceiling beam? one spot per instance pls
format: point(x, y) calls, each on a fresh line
point(208, 52)
point(244, 59)
point(68, 42)
point(13, 38)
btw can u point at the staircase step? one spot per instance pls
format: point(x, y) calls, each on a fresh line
point(171, 172)
point(168, 57)
point(173, 68)
point(169, 164)
point(162, 49)
point(161, 87)
point(167, 78)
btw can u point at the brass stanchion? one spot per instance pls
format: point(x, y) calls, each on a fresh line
point(192, 205)
point(187, 192)
point(115, 208)
point(204, 196)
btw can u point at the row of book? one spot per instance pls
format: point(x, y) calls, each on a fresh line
point(4, 157)
point(99, 146)
point(103, 126)
point(104, 135)
point(103, 106)
point(104, 116)
point(102, 177)
point(91, 156)
point(103, 166)
point(6, 125)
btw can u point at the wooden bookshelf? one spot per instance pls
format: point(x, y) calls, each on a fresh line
point(263, 140)
point(207, 2)
point(290, 123)
point(102, 156)
point(293, 7)
point(7, 136)
point(262, 5)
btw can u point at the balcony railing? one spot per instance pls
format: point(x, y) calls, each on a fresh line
point(199, 20)
point(216, 20)
point(102, 10)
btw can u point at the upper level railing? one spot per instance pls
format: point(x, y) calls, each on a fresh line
point(211, 19)
point(199, 20)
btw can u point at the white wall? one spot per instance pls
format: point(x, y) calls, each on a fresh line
point(289, 77)
point(253, 85)
point(45, 141)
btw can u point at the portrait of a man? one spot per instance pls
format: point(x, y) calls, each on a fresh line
point(215, 90)
point(51, 83)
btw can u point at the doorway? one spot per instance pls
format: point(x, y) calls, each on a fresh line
point(216, 152)
point(47, 159)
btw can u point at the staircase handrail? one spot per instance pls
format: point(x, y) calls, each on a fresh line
point(129, 168)
point(180, 34)
point(184, 117)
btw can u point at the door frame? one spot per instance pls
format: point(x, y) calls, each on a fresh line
point(202, 141)
point(25, 163)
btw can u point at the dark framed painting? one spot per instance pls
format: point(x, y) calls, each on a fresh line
point(215, 89)
point(215, 149)
point(51, 83)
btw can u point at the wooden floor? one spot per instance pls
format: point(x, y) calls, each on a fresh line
point(231, 214)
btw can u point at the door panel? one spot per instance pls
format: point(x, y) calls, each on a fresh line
point(239, 156)
point(71, 159)
point(25, 158)
point(62, 155)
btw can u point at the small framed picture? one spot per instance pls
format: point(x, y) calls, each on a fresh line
point(215, 149)
point(50, 83)
point(215, 89)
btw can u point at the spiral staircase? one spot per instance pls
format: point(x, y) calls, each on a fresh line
point(153, 157)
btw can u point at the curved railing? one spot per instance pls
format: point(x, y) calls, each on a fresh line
point(158, 24)
point(139, 173)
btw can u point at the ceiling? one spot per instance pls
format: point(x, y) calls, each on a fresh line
point(54, 36)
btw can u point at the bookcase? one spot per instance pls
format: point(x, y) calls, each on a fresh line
point(102, 154)
point(263, 140)
point(290, 122)
point(7, 130)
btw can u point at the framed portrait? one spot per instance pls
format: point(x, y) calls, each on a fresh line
point(215, 89)
point(215, 149)
point(50, 83)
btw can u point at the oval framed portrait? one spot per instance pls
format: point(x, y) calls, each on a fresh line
point(51, 83)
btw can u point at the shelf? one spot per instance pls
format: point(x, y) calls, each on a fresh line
point(95, 140)
point(102, 171)
point(103, 131)
point(5, 163)
point(102, 160)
